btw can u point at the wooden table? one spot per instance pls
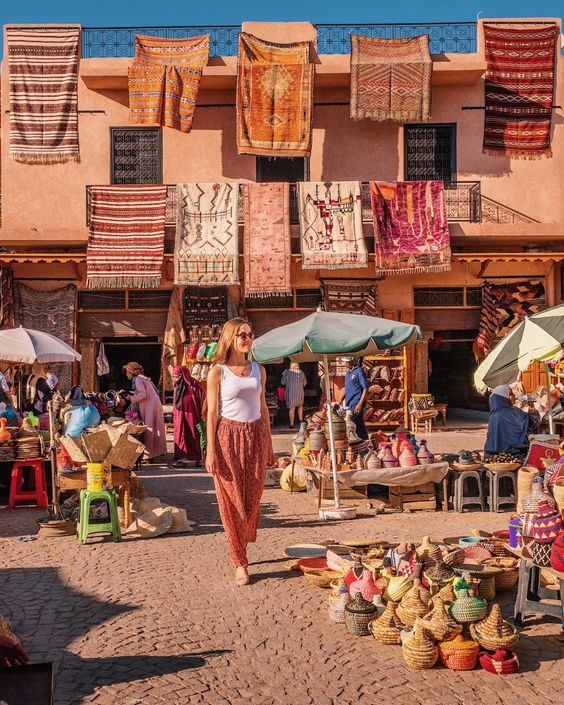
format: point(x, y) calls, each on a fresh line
point(120, 478)
point(531, 597)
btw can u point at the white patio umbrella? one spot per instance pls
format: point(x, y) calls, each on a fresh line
point(24, 346)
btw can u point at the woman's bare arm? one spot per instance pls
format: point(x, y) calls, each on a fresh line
point(212, 399)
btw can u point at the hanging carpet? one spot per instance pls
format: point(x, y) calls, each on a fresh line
point(266, 247)
point(331, 233)
point(6, 298)
point(207, 234)
point(504, 306)
point(519, 90)
point(349, 296)
point(126, 243)
point(43, 76)
point(52, 312)
point(410, 227)
point(164, 80)
point(390, 78)
point(274, 98)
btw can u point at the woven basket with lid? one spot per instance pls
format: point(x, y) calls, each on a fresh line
point(387, 628)
point(414, 604)
point(358, 615)
point(419, 651)
point(438, 575)
point(494, 632)
point(397, 586)
point(467, 607)
point(459, 654)
point(510, 575)
point(446, 594)
point(439, 623)
point(502, 662)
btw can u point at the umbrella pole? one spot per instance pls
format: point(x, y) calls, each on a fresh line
point(53, 456)
point(550, 419)
point(331, 434)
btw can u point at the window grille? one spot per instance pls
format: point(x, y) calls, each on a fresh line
point(137, 155)
point(474, 296)
point(149, 299)
point(290, 169)
point(283, 301)
point(443, 297)
point(92, 300)
point(430, 153)
point(308, 298)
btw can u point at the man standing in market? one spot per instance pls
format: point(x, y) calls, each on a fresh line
point(356, 391)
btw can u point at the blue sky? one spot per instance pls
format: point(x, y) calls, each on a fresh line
point(149, 12)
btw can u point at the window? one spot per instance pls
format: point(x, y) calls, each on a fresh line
point(447, 297)
point(290, 169)
point(430, 152)
point(137, 155)
point(144, 299)
point(308, 298)
point(133, 299)
point(299, 298)
point(92, 300)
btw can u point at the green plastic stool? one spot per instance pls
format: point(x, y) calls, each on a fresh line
point(86, 526)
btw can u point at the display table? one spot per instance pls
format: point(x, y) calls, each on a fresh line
point(531, 597)
point(120, 478)
point(390, 477)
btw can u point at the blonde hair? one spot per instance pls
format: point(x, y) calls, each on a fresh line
point(134, 368)
point(228, 333)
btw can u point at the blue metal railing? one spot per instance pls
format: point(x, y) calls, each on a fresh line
point(444, 38)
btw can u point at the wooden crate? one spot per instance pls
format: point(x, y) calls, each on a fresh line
point(360, 492)
point(414, 498)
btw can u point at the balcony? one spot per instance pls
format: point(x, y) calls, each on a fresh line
point(463, 203)
point(444, 38)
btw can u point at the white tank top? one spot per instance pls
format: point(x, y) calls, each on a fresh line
point(240, 396)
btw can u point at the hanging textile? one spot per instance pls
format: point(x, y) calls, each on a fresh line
point(410, 227)
point(209, 305)
point(6, 298)
point(504, 306)
point(331, 233)
point(174, 336)
point(207, 234)
point(349, 296)
point(126, 243)
point(164, 80)
point(102, 364)
point(274, 98)
point(266, 247)
point(43, 74)
point(519, 90)
point(390, 78)
point(52, 312)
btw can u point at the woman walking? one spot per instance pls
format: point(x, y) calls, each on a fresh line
point(187, 413)
point(239, 445)
point(146, 395)
point(294, 380)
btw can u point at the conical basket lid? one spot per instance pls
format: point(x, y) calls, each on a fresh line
point(494, 626)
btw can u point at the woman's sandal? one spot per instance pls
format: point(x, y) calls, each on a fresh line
point(242, 578)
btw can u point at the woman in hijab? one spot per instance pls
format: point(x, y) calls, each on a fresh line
point(146, 395)
point(37, 389)
point(187, 413)
point(507, 425)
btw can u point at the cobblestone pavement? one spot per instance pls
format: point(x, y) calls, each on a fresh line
point(160, 620)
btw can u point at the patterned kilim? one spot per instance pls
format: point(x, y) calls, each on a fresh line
point(164, 80)
point(349, 296)
point(206, 306)
point(504, 306)
point(390, 78)
point(410, 227)
point(274, 98)
point(6, 298)
point(207, 234)
point(52, 312)
point(266, 246)
point(43, 66)
point(519, 91)
point(331, 225)
point(126, 243)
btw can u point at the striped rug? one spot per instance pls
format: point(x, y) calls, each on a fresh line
point(519, 91)
point(126, 243)
point(164, 80)
point(43, 75)
point(390, 78)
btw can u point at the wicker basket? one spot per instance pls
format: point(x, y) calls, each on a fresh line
point(419, 651)
point(457, 467)
point(494, 632)
point(477, 553)
point(486, 589)
point(501, 663)
point(446, 594)
point(558, 494)
point(292, 564)
point(397, 586)
point(321, 578)
point(387, 628)
point(496, 547)
point(510, 575)
point(358, 615)
point(414, 604)
point(525, 478)
point(459, 654)
point(467, 608)
point(502, 467)
point(439, 623)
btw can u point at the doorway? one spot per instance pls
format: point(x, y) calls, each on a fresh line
point(120, 351)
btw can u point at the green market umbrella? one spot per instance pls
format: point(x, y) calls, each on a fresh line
point(539, 337)
point(323, 336)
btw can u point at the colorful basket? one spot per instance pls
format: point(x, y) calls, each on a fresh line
point(501, 662)
point(459, 654)
point(540, 553)
point(468, 608)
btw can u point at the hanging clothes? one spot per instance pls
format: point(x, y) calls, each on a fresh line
point(187, 414)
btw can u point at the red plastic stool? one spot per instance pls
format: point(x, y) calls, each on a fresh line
point(39, 494)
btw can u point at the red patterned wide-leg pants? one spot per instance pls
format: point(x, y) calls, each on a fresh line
point(241, 455)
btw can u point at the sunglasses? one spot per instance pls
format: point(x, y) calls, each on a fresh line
point(245, 336)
